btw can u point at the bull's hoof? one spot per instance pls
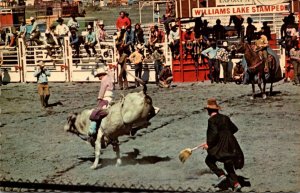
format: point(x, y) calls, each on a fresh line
point(252, 98)
point(119, 162)
point(264, 96)
point(94, 166)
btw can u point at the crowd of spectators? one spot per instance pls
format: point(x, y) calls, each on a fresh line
point(199, 40)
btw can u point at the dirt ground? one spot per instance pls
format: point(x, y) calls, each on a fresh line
point(34, 145)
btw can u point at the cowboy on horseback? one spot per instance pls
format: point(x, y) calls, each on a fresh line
point(262, 45)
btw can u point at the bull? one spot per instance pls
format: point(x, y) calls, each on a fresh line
point(125, 117)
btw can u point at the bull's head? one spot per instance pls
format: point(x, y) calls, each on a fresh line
point(70, 123)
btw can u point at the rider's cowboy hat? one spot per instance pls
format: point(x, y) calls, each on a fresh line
point(212, 104)
point(60, 19)
point(41, 63)
point(100, 71)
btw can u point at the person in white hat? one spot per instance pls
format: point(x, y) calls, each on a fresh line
point(100, 31)
point(42, 75)
point(90, 41)
point(188, 38)
point(222, 146)
point(105, 98)
point(174, 40)
point(61, 31)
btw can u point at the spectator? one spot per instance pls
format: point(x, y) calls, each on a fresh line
point(122, 21)
point(238, 73)
point(214, 66)
point(42, 74)
point(238, 22)
point(33, 26)
point(137, 59)
point(223, 57)
point(129, 38)
point(120, 39)
point(138, 34)
point(90, 41)
point(188, 38)
point(219, 31)
point(122, 77)
point(73, 23)
point(283, 28)
point(174, 40)
point(153, 39)
point(61, 31)
point(159, 59)
point(160, 35)
point(23, 29)
point(198, 27)
point(250, 30)
point(165, 77)
point(35, 36)
point(295, 60)
point(205, 31)
point(50, 42)
point(266, 30)
point(100, 31)
point(127, 15)
point(74, 41)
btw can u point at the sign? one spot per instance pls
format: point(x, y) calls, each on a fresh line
point(239, 10)
point(268, 2)
point(233, 2)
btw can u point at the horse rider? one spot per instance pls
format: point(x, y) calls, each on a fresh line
point(105, 98)
point(262, 45)
point(222, 146)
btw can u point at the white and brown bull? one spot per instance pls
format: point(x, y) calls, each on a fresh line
point(132, 112)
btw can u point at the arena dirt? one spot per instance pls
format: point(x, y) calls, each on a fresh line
point(34, 145)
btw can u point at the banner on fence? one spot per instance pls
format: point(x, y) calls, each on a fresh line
point(239, 10)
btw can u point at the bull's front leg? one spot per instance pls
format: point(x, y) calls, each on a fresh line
point(116, 148)
point(97, 149)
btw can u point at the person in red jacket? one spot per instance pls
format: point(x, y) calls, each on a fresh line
point(188, 39)
point(122, 21)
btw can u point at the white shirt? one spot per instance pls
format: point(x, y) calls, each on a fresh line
point(73, 24)
point(61, 29)
point(174, 35)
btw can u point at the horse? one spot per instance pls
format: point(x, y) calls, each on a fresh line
point(255, 67)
